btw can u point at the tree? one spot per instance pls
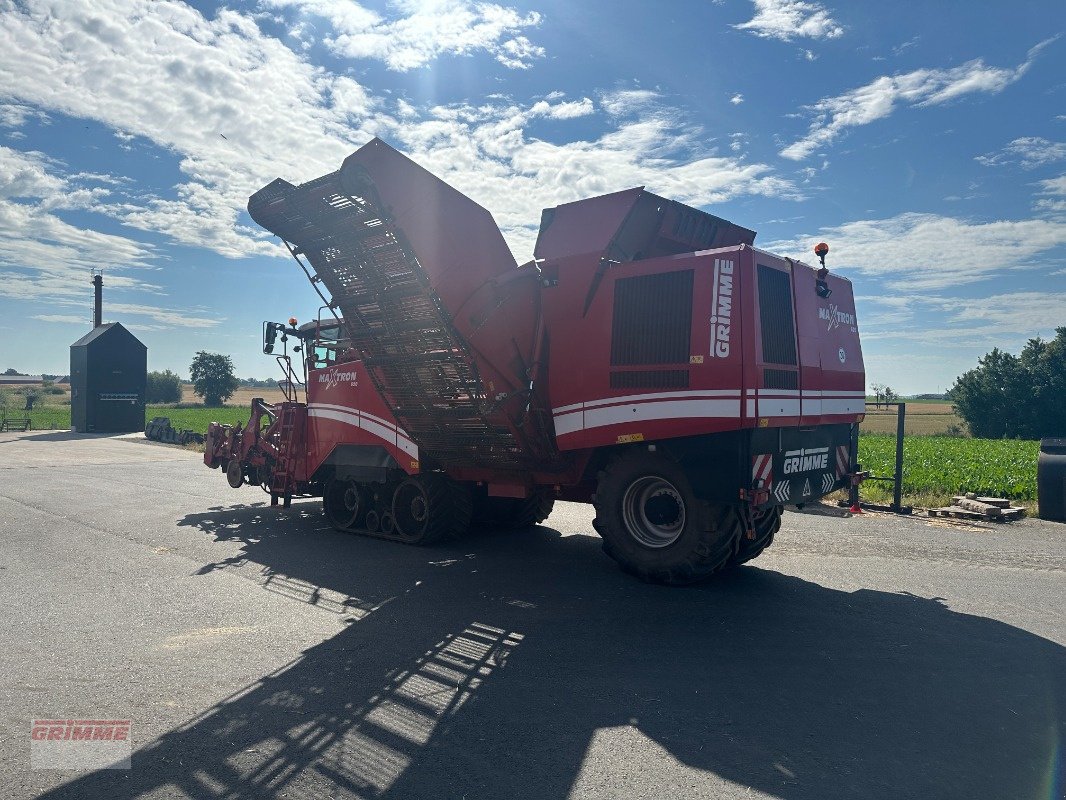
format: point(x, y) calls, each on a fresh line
point(883, 394)
point(1016, 396)
point(213, 378)
point(164, 387)
point(11, 371)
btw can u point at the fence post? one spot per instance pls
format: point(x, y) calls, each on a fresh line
point(897, 489)
point(854, 466)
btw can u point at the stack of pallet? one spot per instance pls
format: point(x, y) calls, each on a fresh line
point(970, 506)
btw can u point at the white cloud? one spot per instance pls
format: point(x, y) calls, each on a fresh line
point(972, 320)
point(1054, 190)
point(15, 115)
point(919, 252)
point(1029, 151)
point(428, 29)
point(25, 174)
point(737, 99)
point(1053, 185)
point(68, 319)
point(882, 96)
point(42, 255)
point(165, 318)
point(567, 110)
point(486, 153)
point(787, 19)
point(626, 102)
point(158, 72)
point(1025, 313)
point(900, 48)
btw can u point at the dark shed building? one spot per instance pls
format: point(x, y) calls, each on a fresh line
point(108, 381)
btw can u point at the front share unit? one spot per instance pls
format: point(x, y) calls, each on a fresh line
point(650, 361)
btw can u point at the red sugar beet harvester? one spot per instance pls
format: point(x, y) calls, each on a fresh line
point(649, 361)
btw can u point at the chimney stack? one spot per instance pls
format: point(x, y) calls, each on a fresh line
point(98, 301)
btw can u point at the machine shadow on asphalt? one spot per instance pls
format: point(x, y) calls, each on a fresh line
point(490, 667)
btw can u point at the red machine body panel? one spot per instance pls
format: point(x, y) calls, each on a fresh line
point(343, 408)
point(726, 377)
point(631, 225)
point(829, 385)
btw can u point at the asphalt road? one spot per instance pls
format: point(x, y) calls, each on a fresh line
point(261, 654)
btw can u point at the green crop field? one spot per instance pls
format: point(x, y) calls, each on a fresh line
point(936, 467)
point(199, 417)
point(196, 418)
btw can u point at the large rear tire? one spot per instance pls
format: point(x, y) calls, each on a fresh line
point(429, 507)
point(766, 525)
point(654, 525)
point(512, 513)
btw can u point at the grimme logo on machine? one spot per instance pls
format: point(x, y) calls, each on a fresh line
point(336, 378)
point(835, 318)
point(806, 460)
point(722, 306)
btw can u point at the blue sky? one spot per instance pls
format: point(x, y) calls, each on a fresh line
point(926, 142)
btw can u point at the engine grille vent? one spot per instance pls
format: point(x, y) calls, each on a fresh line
point(650, 379)
point(652, 319)
point(775, 317)
point(780, 379)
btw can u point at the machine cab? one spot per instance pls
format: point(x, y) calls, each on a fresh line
point(325, 343)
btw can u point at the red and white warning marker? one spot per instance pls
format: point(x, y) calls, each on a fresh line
point(762, 470)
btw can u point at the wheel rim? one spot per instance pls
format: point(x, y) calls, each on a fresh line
point(653, 511)
point(235, 473)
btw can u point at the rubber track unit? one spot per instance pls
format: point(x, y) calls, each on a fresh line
point(449, 504)
point(710, 539)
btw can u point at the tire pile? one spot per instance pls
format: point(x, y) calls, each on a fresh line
point(160, 430)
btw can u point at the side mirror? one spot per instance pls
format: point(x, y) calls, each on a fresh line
point(270, 335)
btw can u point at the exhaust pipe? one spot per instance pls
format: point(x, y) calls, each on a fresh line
point(98, 300)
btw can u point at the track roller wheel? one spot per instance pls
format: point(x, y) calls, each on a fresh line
point(767, 523)
point(429, 507)
point(344, 502)
point(388, 524)
point(654, 525)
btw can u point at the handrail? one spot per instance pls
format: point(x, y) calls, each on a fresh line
point(290, 387)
